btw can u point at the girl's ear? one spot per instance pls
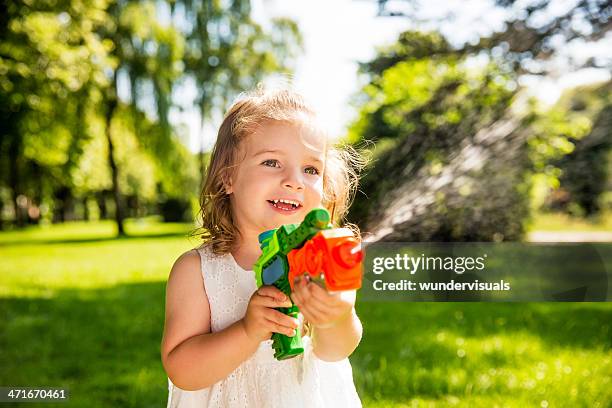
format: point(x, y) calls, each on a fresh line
point(227, 184)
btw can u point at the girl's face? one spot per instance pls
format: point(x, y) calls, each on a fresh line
point(280, 178)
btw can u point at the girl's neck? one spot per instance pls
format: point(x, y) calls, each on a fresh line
point(246, 252)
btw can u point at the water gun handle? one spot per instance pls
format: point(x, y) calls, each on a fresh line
point(284, 346)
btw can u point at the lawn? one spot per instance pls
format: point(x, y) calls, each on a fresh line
point(564, 222)
point(83, 310)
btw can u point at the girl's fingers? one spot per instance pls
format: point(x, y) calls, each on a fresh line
point(307, 303)
point(272, 292)
point(317, 305)
point(320, 295)
point(311, 293)
point(304, 291)
point(270, 302)
point(279, 328)
point(308, 317)
point(281, 319)
point(315, 316)
point(332, 299)
point(319, 312)
point(270, 296)
point(322, 309)
point(297, 299)
point(301, 291)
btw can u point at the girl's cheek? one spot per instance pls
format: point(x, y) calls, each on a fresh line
point(318, 186)
point(317, 194)
point(258, 173)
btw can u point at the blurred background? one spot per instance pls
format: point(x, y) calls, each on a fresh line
point(483, 121)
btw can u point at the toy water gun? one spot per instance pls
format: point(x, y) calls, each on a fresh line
point(331, 256)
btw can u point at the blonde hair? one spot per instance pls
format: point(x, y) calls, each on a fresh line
point(247, 113)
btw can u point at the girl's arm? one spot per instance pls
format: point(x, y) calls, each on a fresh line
point(193, 357)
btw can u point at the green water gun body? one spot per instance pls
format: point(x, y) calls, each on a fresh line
point(272, 268)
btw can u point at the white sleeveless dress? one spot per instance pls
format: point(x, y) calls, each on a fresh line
point(261, 381)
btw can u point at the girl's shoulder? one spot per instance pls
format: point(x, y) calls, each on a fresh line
point(202, 263)
point(187, 264)
point(195, 258)
point(202, 257)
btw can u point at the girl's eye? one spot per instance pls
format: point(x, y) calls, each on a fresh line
point(271, 163)
point(312, 170)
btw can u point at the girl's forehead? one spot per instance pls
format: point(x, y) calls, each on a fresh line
point(287, 136)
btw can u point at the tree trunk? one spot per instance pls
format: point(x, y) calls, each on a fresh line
point(85, 209)
point(111, 106)
point(101, 199)
point(14, 154)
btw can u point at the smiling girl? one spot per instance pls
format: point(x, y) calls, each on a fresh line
point(271, 165)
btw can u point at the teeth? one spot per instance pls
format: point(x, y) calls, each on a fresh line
point(286, 202)
point(291, 202)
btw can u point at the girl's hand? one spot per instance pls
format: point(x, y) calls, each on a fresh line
point(261, 320)
point(321, 308)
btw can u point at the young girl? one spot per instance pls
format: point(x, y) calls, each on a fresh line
point(270, 166)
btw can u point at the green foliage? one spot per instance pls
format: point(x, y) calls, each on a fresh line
point(586, 171)
point(458, 156)
point(552, 134)
point(151, 53)
point(50, 60)
point(439, 165)
point(410, 46)
point(227, 52)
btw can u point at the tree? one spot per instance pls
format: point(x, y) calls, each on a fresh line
point(449, 162)
point(457, 149)
point(534, 32)
point(148, 51)
point(227, 52)
point(47, 56)
point(587, 170)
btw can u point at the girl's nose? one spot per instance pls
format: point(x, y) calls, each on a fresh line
point(293, 180)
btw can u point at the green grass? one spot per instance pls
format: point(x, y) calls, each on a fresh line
point(83, 310)
point(565, 222)
point(470, 354)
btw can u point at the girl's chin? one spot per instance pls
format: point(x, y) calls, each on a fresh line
point(274, 219)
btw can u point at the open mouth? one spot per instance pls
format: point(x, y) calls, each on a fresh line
point(285, 205)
